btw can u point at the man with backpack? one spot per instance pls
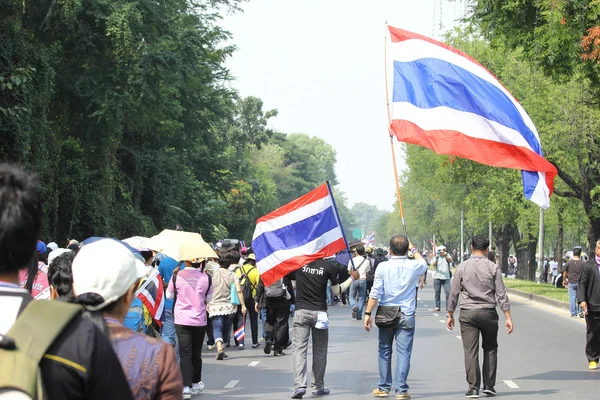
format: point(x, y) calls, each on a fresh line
point(359, 288)
point(249, 277)
point(75, 359)
point(279, 297)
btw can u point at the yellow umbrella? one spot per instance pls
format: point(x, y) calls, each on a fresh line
point(181, 246)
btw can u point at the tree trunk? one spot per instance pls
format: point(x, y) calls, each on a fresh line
point(525, 253)
point(504, 236)
point(560, 241)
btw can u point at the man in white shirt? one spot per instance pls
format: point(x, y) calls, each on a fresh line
point(442, 275)
point(359, 287)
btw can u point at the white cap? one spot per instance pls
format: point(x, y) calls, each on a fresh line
point(53, 246)
point(55, 253)
point(107, 268)
point(440, 248)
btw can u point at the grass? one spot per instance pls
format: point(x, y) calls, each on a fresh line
point(542, 289)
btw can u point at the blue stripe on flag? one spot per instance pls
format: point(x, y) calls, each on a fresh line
point(294, 235)
point(431, 82)
point(530, 181)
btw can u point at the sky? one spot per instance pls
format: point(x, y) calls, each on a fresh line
point(320, 63)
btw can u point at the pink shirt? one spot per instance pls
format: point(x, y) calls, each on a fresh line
point(192, 289)
point(41, 287)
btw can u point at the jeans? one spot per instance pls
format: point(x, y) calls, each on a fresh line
point(329, 295)
point(437, 286)
point(474, 323)
point(240, 320)
point(304, 325)
point(191, 339)
point(358, 288)
point(221, 327)
point(263, 317)
point(168, 332)
point(404, 334)
point(575, 309)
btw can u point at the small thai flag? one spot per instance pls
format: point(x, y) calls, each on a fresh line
point(240, 333)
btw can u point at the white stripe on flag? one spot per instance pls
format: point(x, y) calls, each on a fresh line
point(445, 118)
point(309, 248)
point(541, 194)
point(294, 216)
point(415, 49)
point(149, 297)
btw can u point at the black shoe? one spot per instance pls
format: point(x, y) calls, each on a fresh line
point(288, 344)
point(473, 394)
point(267, 348)
point(298, 393)
point(278, 353)
point(489, 390)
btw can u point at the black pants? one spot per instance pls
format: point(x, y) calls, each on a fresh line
point(592, 337)
point(277, 324)
point(239, 320)
point(209, 332)
point(473, 323)
point(191, 339)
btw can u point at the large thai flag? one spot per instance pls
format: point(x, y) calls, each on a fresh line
point(294, 235)
point(446, 101)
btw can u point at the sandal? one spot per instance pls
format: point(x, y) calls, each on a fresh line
point(221, 355)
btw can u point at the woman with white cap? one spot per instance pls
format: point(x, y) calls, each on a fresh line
point(105, 279)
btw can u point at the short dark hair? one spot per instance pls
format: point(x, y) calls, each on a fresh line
point(20, 217)
point(480, 242)
point(577, 251)
point(360, 249)
point(60, 275)
point(399, 245)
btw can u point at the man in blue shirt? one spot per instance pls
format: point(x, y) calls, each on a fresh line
point(395, 285)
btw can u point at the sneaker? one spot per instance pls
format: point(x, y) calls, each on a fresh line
point(472, 394)
point(322, 392)
point(241, 346)
point(380, 393)
point(402, 396)
point(489, 390)
point(187, 393)
point(197, 388)
point(581, 315)
point(298, 393)
point(267, 348)
point(228, 345)
point(255, 345)
point(221, 355)
point(354, 311)
point(210, 347)
point(593, 365)
point(436, 309)
point(278, 353)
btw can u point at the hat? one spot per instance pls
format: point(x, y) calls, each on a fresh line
point(107, 268)
point(369, 250)
point(73, 241)
point(440, 248)
point(251, 256)
point(52, 246)
point(55, 253)
point(41, 247)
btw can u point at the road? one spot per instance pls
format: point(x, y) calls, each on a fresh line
point(543, 359)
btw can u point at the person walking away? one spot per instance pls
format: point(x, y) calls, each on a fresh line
point(212, 265)
point(60, 276)
point(278, 298)
point(478, 282)
point(571, 276)
point(34, 278)
point(441, 275)
point(395, 286)
point(220, 309)
point(165, 269)
point(106, 275)
point(554, 269)
point(358, 289)
point(76, 362)
point(190, 288)
point(588, 294)
point(248, 276)
point(311, 318)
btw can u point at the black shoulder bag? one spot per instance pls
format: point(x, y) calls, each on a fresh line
point(388, 316)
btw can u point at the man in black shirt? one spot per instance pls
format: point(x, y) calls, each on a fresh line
point(571, 277)
point(588, 294)
point(311, 316)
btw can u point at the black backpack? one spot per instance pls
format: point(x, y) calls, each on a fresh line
point(246, 283)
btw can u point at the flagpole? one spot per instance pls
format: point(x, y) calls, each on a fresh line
point(339, 221)
point(387, 102)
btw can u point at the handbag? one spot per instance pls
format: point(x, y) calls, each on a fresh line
point(235, 299)
point(388, 316)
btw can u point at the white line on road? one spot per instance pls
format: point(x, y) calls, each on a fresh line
point(442, 320)
point(253, 363)
point(511, 384)
point(430, 309)
point(458, 337)
point(231, 384)
point(436, 315)
point(418, 298)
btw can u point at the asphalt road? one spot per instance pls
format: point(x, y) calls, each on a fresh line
point(543, 359)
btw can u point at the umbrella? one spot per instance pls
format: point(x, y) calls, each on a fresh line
point(137, 242)
point(181, 245)
point(135, 252)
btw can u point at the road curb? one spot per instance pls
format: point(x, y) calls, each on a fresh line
point(563, 305)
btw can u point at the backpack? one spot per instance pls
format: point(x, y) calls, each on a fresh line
point(26, 343)
point(134, 319)
point(246, 283)
point(276, 290)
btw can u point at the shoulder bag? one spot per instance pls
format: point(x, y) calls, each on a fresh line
point(387, 316)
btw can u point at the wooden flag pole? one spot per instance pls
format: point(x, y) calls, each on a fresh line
point(387, 102)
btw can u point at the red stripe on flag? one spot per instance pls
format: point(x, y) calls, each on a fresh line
point(312, 196)
point(483, 151)
point(292, 264)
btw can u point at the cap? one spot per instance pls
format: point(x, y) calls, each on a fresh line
point(107, 268)
point(55, 253)
point(440, 248)
point(41, 247)
point(73, 241)
point(251, 256)
point(52, 246)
